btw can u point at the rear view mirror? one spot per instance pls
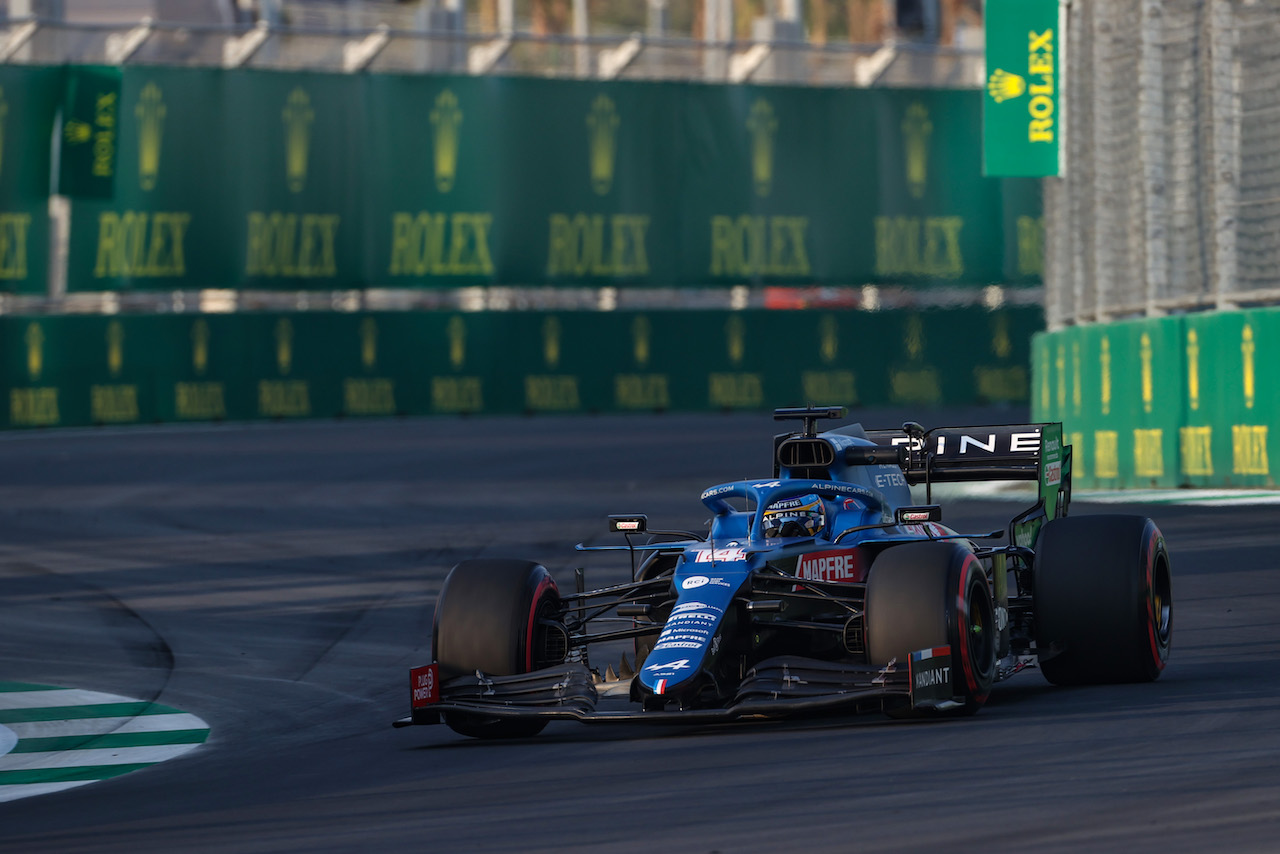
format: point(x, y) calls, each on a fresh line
point(916, 515)
point(632, 523)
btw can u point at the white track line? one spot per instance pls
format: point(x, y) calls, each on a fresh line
point(102, 726)
point(85, 757)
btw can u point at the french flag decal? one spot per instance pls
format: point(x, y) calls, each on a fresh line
point(660, 687)
point(926, 654)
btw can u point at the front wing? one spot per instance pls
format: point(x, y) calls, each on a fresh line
point(776, 688)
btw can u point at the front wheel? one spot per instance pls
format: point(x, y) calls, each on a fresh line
point(496, 616)
point(1103, 600)
point(927, 595)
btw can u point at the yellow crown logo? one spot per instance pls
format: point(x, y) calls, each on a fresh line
point(150, 112)
point(115, 347)
point(551, 341)
point(1003, 85)
point(1247, 349)
point(1104, 367)
point(829, 335)
point(35, 351)
point(1148, 380)
point(284, 345)
point(915, 337)
point(77, 133)
point(369, 343)
point(640, 334)
point(457, 342)
point(763, 124)
point(602, 140)
point(200, 346)
point(735, 339)
point(445, 118)
point(298, 116)
point(916, 129)
point(1000, 343)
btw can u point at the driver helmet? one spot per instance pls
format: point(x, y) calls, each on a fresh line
point(794, 517)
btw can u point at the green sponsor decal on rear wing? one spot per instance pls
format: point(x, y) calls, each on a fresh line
point(1055, 471)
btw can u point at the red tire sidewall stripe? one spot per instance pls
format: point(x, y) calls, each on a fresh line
point(1149, 565)
point(543, 584)
point(962, 624)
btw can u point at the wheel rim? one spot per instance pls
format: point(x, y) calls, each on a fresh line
point(1162, 603)
point(980, 636)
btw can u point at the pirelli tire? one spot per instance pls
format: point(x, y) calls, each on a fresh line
point(496, 616)
point(929, 595)
point(1103, 600)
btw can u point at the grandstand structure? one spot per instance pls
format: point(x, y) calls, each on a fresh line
point(1162, 259)
point(1170, 197)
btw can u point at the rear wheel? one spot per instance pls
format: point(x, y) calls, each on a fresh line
point(1103, 600)
point(928, 595)
point(494, 616)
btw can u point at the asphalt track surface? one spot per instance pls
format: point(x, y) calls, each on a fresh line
point(278, 580)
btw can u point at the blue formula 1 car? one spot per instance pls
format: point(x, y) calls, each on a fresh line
point(821, 588)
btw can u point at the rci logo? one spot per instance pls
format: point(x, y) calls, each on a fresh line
point(298, 116)
point(150, 113)
point(1003, 85)
point(763, 125)
point(916, 129)
point(640, 334)
point(445, 119)
point(602, 140)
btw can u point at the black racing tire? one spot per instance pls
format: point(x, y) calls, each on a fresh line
point(490, 617)
point(1103, 600)
point(928, 595)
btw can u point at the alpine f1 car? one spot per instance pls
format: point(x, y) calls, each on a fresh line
point(820, 588)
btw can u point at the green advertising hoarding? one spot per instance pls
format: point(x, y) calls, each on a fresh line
point(130, 369)
point(291, 180)
point(1022, 107)
point(29, 100)
point(1182, 400)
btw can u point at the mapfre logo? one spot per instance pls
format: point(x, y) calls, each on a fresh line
point(840, 566)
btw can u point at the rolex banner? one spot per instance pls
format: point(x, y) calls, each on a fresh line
point(1022, 108)
point(90, 130)
point(295, 180)
point(80, 369)
point(29, 99)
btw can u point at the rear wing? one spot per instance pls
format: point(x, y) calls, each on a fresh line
point(1033, 452)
